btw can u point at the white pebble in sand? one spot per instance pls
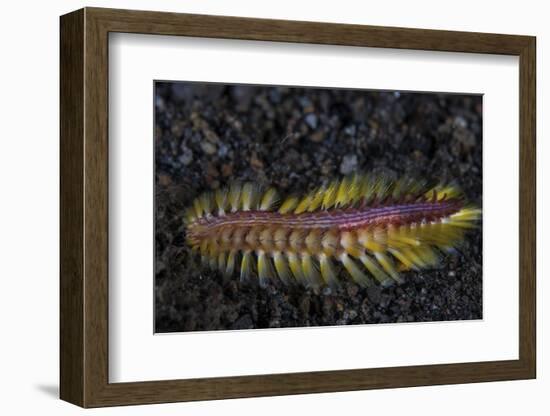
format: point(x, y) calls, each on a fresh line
point(348, 165)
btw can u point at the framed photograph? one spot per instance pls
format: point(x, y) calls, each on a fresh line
point(256, 207)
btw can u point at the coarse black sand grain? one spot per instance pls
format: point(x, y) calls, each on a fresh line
point(297, 138)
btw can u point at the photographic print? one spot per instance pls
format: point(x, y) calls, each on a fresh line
point(293, 212)
point(283, 206)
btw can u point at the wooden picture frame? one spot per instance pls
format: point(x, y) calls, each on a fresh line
point(84, 207)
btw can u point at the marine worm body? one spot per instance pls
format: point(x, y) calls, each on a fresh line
point(371, 227)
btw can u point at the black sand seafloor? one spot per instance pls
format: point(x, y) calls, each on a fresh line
point(207, 135)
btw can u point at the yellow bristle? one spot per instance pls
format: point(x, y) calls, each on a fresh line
point(355, 188)
point(440, 234)
point(454, 222)
point(342, 195)
point(190, 215)
point(428, 256)
point(265, 270)
point(221, 200)
point(304, 204)
point(197, 207)
point(207, 203)
point(328, 273)
point(317, 199)
point(246, 266)
point(247, 196)
point(375, 270)
point(310, 271)
point(235, 196)
point(329, 198)
point(444, 192)
point(296, 267)
point(382, 187)
point(367, 240)
point(415, 187)
point(355, 272)
point(288, 205)
point(398, 188)
point(281, 267)
point(413, 256)
point(368, 188)
point(449, 192)
point(404, 186)
point(408, 263)
point(432, 193)
point(387, 265)
point(467, 214)
point(402, 237)
point(230, 266)
point(269, 199)
point(406, 236)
